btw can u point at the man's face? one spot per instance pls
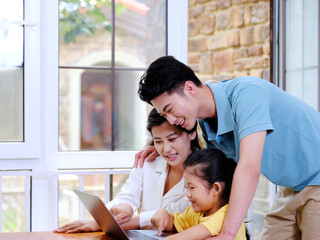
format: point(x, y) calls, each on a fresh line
point(177, 109)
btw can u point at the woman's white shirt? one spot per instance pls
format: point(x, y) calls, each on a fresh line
point(144, 189)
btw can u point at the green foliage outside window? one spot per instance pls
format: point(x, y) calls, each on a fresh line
point(78, 17)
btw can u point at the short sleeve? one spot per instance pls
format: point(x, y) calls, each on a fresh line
point(185, 220)
point(251, 110)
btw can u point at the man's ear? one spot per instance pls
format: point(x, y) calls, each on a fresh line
point(189, 87)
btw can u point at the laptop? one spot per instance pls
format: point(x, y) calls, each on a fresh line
point(109, 225)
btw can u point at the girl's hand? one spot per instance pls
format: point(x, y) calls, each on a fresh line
point(122, 212)
point(162, 220)
point(79, 226)
point(149, 154)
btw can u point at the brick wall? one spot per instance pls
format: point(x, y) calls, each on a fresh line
point(229, 38)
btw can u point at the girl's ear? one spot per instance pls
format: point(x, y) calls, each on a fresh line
point(218, 186)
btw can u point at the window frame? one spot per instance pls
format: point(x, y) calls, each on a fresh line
point(30, 147)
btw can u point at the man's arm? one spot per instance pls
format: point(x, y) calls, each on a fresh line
point(244, 184)
point(148, 154)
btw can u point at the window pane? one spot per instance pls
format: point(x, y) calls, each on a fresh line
point(68, 201)
point(10, 10)
point(130, 112)
point(85, 120)
point(11, 93)
point(13, 204)
point(85, 109)
point(85, 32)
point(140, 32)
point(302, 50)
point(94, 184)
point(118, 180)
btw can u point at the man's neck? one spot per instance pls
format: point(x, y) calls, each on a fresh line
point(207, 103)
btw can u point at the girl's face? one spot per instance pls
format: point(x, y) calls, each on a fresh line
point(202, 199)
point(172, 143)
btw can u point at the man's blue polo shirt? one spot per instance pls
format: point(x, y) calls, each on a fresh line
point(245, 105)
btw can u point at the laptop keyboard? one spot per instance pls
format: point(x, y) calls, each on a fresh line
point(136, 235)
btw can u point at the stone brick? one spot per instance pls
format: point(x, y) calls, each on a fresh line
point(255, 51)
point(237, 2)
point(206, 23)
point(266, 49)
point(261, 33)
point(195, 12)
point(217, 41)
point(224, 19)
point(197, 44)
point(224, 4)
point(221, 77)
point(205, 65)
point(193, 28)
point(237, 17)
point(233, 38)
point(246, 36)
point(194, 67)
point(240, 74)
point(202, 1)
point(248, 63)
point(193, 58)
point(240, 53)
point(255, 1)
point(223, 62)
point(192, 2)
point(259, 13)
point(256, 73)
point(211, 6)
point(247, 15)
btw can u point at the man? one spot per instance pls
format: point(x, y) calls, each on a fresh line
point(261, 127)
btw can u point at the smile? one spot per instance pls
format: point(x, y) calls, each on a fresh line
point(172, 157)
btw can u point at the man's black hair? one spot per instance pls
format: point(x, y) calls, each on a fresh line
point(166, 74)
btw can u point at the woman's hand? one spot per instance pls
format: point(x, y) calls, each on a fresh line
point(79, 226)
point(122, 212)
point(149, 154)
point(162, 220)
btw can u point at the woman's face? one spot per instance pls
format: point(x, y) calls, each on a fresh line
point(172, 143)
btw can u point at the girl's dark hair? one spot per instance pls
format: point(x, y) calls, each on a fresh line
point(155, 119)
point(211, 165)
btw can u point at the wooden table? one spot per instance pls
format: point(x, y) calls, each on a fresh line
point(54, 236)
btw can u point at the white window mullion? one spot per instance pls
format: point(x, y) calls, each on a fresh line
point(107, 187)
point(0, 204)
point(27, 195)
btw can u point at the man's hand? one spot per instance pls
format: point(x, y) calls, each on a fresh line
point(79, 226)
point(122, 212)
point(149, 154)
point(162, 220)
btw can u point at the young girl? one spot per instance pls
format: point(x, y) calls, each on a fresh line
point(208, 176)
point(158, 184)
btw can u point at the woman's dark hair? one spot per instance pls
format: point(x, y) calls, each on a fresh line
point(155, 119)
point(212, 166)
point(166, 74)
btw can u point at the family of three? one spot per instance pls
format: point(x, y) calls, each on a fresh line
point(260, 127)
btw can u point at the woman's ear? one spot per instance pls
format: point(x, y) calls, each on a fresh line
point(193, 135)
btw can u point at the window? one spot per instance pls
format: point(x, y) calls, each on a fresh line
point(36, 156)
point(297, 52)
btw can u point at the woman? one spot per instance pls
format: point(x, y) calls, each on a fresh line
point(159, 184)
